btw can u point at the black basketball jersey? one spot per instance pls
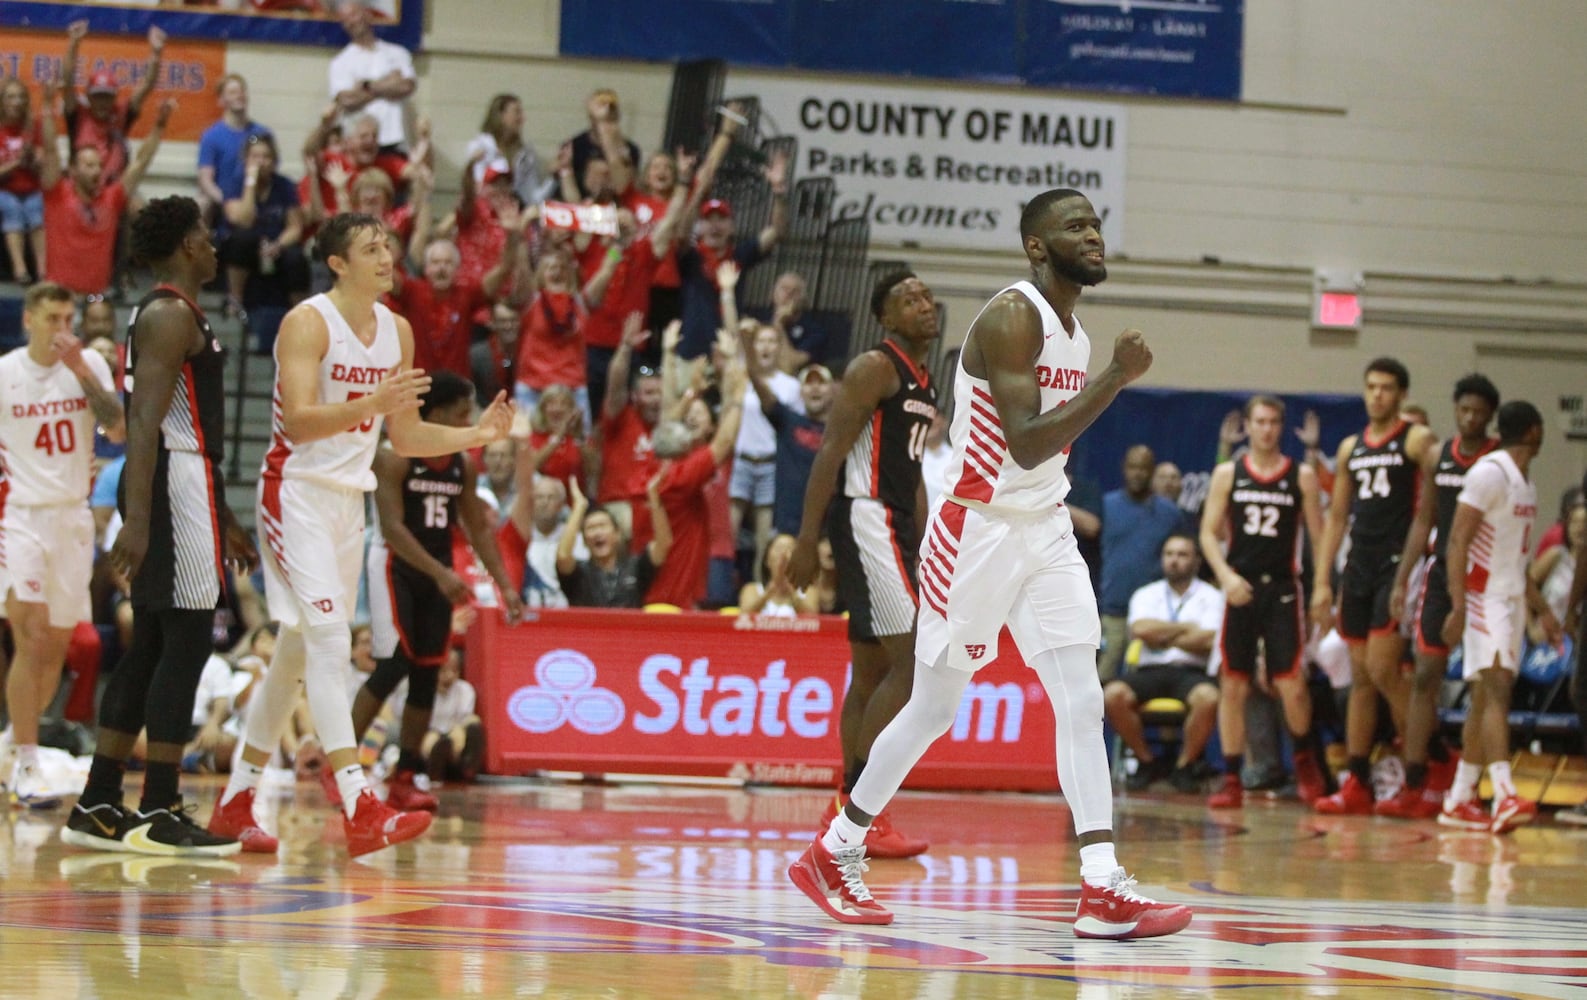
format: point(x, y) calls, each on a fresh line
point(1384, 482)
point(430, 506)
point(196, 421)
point(884, 463)
point(1448, 480)
point(1264, 522)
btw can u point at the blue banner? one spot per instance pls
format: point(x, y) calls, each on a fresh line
point(308, 22)
point(740, 31)
point(1181, 426)
point(1184, 48)
point(933, 38)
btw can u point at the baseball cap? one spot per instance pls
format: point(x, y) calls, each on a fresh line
point(495, 170)
point(821, 372)
point(716, 206)
point(102, 82)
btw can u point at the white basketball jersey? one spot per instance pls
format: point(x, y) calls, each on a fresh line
point(981, 469)
point(1497, 560)
point(349, 370)
point(47, 429)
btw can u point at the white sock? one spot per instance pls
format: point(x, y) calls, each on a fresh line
point(1465, 787)
point(843, 832)
point(350, 782)
point(244, 777)
point(1097, 862)
point(1503, 784)
point(27, 755)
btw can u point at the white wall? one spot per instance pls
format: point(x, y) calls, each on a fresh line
point(1433, 144)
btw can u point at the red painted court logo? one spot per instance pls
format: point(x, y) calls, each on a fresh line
point(975, 650)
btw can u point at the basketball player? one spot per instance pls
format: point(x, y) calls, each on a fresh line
point(412, 586)
point(875, 437)
point(1443, 477)
point(1000, 548)
point(54, 393)
point(343, 365)
point(1375, 491)
point(1262, 498)
point(1490, 540)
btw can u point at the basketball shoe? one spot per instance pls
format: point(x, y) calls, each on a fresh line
point(374, 825)
point(1118, 912)
point(1467, 815)
point(1411, 803)
point(97, 828)
point(173, 833)
point(30, 789)
point(1352, 799)
point(1512, 811)
point(882, 840)
point(235, 820)
point(1230, 794)
point(835, 881)
point(410, 791)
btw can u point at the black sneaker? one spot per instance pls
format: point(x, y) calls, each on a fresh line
point(97, 828)
point(1147, 773)
point(173, 833)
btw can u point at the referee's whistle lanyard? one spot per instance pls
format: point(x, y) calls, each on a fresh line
point(1173, 608)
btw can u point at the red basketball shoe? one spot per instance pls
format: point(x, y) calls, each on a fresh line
point(1309, 782)
point(375, 825)
point(1352, 799)
point(1119, 912)
point(882, 840)
point(834, 881)
point(1467, 815)
point(408, 791)
point(1411, 803)
point(1511, 812)
point(1230, 794)
point(235, 820)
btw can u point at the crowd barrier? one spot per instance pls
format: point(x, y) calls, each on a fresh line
point(697, 694)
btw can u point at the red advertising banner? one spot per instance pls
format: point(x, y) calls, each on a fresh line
point(707, 695)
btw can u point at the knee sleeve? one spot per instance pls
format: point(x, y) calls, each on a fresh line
point(121, 710)
point(933, 705)
point(185, 645)
point(272, 702)
point(388, 673)
point(326, 649)
point(422, 684)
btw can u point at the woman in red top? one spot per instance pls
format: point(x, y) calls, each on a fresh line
point(21, 196)
point(557, 444)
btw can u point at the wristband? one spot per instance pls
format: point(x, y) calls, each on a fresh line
point(614, 254)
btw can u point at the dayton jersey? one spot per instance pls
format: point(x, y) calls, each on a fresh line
point(196, 420)
point(431, 489)
point(981, 471)
point(47, 429)
point(1264, 521)
point(1384, 483)
point(1496, 561)
point(349, 370)
point(884, 463)
point(1448, 480)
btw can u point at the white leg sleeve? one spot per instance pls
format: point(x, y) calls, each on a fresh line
point(933, 705)
point(1070, 677)
point(271, 705)
point(328, 648)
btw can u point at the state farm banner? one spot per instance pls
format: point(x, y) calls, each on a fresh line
point(700, 694)
point(947, 168)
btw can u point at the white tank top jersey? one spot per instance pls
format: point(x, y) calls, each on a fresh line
point(47, 429)
point(349, 370)
point(981, 470)
point(1497, 560)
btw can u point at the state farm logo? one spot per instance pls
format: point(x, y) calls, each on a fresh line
point(565, 693)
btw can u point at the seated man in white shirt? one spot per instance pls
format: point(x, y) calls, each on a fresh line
point(1176, 620)
point(455, 744)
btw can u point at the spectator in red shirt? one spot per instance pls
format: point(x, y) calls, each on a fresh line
point(557, 445)
point(21, 201)
point(81, 212)
point(474, 226)
point(551, 342)
point(628, 457)
point(359, 152)
point(688, 465)
point(441, 304)
point(100, 120)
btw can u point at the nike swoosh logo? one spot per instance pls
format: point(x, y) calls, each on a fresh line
point(913, 386)
point(104, 828)
point(1287, 599)
point(138, 839)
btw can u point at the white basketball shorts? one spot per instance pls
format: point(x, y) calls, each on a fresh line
point(47, 557)
point(1495, 629)
point(312, 551)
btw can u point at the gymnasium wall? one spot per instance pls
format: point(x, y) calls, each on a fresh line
point(1433, 145)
